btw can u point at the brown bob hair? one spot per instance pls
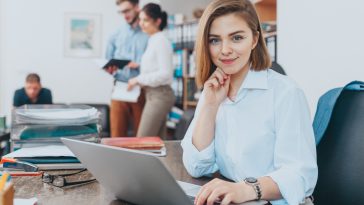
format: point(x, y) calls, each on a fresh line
point(260, 59)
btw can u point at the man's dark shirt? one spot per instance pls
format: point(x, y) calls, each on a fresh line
point(21, 98)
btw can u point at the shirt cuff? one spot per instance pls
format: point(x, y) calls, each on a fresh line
point(204, 155)
point(290, 185)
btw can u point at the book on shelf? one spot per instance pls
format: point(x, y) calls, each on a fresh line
point(153, 144)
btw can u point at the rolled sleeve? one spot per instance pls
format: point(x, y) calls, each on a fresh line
point(285, 178)
point(295, 154)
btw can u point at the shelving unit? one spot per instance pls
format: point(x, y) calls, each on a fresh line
point(183, 37)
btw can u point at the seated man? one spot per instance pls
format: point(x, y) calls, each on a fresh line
point(32, 93)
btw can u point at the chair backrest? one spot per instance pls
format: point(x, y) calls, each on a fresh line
point(340, 156)
point(278, 68)
point(183, 124)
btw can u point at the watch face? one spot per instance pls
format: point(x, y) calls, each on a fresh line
point(251, 180)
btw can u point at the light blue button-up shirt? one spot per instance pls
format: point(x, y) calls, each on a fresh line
point(266, 131)
point(127, 43)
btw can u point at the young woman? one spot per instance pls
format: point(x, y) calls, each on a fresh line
point(156, 72)
point(251, 123)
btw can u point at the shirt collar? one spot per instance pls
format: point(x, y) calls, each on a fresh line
point(253, 80)
point(256, 80)
point(130, 28)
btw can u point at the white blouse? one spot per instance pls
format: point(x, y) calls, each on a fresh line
point(266, 131)
point(156, 66)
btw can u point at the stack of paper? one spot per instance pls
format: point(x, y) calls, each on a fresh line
point(47, 157)
point(36, 125)
point(121, 93)
point(57, 116)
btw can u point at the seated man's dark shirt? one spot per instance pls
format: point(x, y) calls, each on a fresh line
point(21, 98)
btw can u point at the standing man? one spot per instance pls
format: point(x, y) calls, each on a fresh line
point(128, 42)
point(32, 93)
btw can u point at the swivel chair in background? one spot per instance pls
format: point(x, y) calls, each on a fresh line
point(278, 68)
point(340, 156)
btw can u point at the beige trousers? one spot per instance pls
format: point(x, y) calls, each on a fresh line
point(158, 103)
point(122, 112)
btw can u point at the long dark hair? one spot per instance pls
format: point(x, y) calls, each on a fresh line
point(155, 12)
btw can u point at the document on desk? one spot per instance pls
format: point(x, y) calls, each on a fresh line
point(121, 93)
point(51, 157)
point(42, 151)
point(30, 201)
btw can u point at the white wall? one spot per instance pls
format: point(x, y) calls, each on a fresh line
point(321, 43)
point(320, 46)
point(184, 6)
point(31, 40)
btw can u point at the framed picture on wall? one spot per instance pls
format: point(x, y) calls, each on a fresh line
point(82, 35)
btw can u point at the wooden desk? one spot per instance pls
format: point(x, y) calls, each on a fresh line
point(90, 194)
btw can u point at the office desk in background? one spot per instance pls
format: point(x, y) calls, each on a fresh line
point(94, 193)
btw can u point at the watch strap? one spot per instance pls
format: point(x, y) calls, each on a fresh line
point(254, 183)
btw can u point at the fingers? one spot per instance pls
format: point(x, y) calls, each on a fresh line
point(227, 83)
point(227, 199)
point(201, 199)
point(201, 191)
point(205, 192)
point(130, 85)
point(111, 69)
point(215, 195)
point(213, 83)
point(220, 76)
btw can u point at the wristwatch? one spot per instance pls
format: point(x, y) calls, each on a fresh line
point(253, 182)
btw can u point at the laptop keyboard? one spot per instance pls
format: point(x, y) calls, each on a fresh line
point(192, 198)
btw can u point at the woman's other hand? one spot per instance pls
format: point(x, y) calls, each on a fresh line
point(218, 190)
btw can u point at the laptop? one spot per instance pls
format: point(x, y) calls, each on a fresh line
point(132, 175)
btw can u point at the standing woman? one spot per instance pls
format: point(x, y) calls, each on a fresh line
point(156, 72)
point(251, 124)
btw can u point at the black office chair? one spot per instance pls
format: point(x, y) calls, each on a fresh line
point(278, 68)
point(340, 156)
point(183, 124)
